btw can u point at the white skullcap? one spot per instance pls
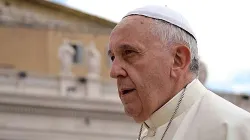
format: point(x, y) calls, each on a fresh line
point(163, 13)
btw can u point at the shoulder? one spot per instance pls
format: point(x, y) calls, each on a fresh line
point(223, 110)
point(221, 119)
point(220, 104)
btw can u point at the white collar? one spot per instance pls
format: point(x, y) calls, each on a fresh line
point(194, 91)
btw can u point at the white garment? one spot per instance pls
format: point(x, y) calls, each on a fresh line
point(202, 115)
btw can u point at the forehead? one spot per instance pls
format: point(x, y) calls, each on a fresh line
point(130, 30)
point(134, 21)
point(132, 24)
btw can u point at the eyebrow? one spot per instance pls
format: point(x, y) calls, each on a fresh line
point(121, 47)
point(126, 46)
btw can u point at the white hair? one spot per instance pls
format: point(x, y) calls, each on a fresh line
point(173, 34)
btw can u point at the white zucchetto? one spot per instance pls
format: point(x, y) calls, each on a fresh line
point(163, 13)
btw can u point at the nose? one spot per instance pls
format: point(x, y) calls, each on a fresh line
point(117, 70)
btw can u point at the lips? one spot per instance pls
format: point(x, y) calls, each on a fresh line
point(127, 91)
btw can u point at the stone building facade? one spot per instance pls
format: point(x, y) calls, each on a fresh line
point(31, 32)
point(32, 106)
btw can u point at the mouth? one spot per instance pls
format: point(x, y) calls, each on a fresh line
point(127, 91)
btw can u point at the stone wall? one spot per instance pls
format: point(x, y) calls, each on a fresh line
point(22, 13)
point(32, 107)
point(32, 31)
point(37, 118)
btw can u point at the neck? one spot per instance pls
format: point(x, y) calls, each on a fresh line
point(181, 83)
point(178, 85)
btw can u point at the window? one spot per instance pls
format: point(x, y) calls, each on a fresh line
point(109, 62)
point(78, 57)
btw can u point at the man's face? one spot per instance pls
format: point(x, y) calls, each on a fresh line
point(141, 66)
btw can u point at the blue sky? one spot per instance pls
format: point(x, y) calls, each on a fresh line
point(221, 26)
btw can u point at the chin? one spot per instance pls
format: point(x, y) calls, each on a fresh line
point(140, 119)
point(136, 117)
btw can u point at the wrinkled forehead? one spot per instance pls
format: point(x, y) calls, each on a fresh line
point(133, 21)
point(131, 28)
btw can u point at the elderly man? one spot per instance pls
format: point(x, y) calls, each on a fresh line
point(155, 62)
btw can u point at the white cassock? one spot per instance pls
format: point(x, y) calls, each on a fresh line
point(202, 115)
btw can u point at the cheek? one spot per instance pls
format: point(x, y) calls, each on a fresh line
point(148, 99)
point(153, 80)
point(132, 105)
point(154, 77)
point(133, 109)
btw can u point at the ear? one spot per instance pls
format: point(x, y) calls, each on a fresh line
point(181, 61)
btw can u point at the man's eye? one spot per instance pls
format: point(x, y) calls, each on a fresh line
point(112, 58)
point(128, 52)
